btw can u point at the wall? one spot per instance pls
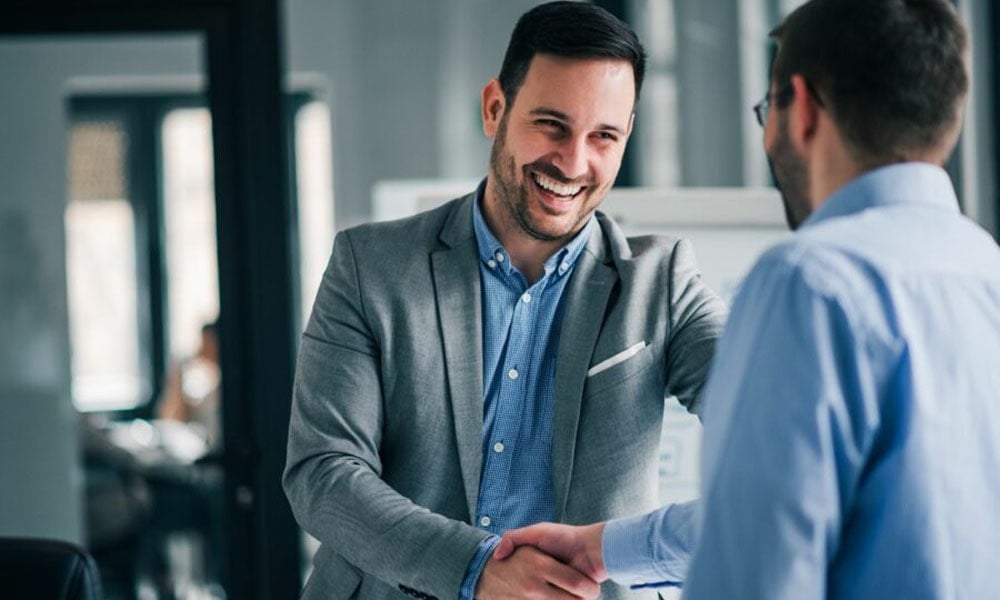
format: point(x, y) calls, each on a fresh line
point(709, 90)
point(405, 80)
point(39, 459)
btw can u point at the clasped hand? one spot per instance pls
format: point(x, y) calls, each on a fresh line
point(547, 560)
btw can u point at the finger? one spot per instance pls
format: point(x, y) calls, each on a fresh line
point(561, 594)
point(569, 579)
point(525, 536)
point(504, 549)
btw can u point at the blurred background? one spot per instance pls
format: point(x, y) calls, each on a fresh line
point(173, 176)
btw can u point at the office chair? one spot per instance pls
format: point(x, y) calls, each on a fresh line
point(34, 569)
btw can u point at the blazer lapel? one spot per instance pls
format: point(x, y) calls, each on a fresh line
point(457, 291)
point(583, 315)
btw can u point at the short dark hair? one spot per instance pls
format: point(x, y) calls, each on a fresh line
point(892, 72)
point(570, 30)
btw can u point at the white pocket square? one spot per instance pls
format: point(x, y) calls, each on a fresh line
point(622, 356)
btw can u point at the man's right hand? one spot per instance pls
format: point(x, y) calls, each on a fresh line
point(577, 546)
point(530, 573)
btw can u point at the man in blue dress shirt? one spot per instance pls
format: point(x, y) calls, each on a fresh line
point(852, 422)
point(504, 359)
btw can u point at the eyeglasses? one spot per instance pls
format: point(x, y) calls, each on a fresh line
point(762, 108)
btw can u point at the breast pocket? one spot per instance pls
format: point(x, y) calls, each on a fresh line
point(618, 367)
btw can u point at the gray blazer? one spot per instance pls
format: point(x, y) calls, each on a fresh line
point(384, 450)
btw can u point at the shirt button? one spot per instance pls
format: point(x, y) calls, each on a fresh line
point(499, 256)
point(491, 263)
point(485, 521)
point(512, 373)
point(526, 298)
point(498, 447)
point(563, 267)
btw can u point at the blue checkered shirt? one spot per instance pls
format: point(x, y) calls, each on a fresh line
point(520, 339)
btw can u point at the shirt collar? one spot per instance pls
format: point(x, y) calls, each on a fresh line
point(493, 254)
point(913, 184)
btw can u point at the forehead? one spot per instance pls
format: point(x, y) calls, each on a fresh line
point(587, 90)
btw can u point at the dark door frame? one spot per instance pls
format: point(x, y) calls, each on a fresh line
point(255, 239)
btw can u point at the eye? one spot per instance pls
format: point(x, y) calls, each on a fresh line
point(551, 124)
point(606, 136)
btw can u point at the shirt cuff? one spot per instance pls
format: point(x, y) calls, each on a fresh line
point(483, 553)
point(651, 550)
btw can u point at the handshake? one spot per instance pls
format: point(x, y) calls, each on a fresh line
point(547, 560)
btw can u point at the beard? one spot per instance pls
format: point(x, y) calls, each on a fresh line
point(512, 193)
point(791, 177)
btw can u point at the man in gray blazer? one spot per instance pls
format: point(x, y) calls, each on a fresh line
point(503, 359)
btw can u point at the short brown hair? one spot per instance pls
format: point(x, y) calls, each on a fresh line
point(892, 72)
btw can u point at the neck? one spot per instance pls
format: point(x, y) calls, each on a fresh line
point(527, 254)
point(529, 257)
point(832, 166)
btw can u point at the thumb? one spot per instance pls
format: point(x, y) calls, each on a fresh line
point(525, 536)
point(504, 549)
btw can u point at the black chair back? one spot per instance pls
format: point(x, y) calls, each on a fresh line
point(35, 569)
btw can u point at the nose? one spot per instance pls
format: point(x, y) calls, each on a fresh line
point(572, 157)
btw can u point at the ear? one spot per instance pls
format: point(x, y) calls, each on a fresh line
point(494, 105)
point(803, 115)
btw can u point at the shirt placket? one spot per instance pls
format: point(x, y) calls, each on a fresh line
point(512, 399)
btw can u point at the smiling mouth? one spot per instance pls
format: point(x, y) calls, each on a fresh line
point(554, 188)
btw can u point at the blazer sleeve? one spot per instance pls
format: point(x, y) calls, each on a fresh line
point(697, 316)
point(332, 476)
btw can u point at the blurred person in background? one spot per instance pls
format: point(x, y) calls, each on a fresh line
point(192, 392)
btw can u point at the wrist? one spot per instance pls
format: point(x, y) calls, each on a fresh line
point(474, 572)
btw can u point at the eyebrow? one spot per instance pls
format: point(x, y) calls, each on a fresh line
point(543, 111)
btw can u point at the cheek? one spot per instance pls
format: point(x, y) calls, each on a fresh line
point(534, 149)
point(768, 136)
point(606, 168)
point(532, 146)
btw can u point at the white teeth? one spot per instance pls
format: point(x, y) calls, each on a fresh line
point(555, 187)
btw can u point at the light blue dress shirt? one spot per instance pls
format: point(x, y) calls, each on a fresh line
point(520, 340)
point(852, 416)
